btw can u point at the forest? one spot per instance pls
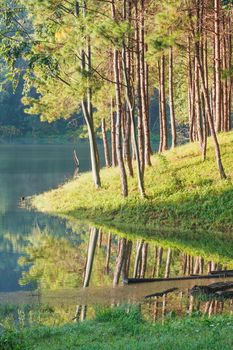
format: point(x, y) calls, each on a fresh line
point(108, 58)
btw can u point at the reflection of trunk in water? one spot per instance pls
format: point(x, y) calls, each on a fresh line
point(168, 263)
point(109, 245)
point(81, 310)
point(90, 258)
point(166, 275)
point(144, 260)
point(150, 261)
point(191, 304)
point(119, 261)
point(100, 238)
point(159, 260)
point(138, 258)
point(155, 259)
point(128, 258)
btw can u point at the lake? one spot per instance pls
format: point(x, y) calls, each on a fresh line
point(26, 170)
point(73, 266)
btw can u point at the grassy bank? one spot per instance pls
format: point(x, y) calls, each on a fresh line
point(116, 329)
point(183, 193)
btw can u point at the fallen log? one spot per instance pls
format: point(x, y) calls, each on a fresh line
point(218, 272)
point(181, 278)
point(160, 294)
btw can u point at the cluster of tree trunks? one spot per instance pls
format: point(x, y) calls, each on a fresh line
point(209, 90)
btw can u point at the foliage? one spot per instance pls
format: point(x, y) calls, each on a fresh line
point(51, 263)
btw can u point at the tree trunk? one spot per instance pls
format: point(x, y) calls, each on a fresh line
point(163, 105)
point(93, 146)
point(210, 120)
point(113, 135)
point(116, 63)
point(191, 94)
point(217, 65)
point(124, 183)
point(141, 145)
point(105, 144)
point(145, 116)
point(160, 112)
point(171, 99)
point(131, 113)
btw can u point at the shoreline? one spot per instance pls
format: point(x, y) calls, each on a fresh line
point(185, 209)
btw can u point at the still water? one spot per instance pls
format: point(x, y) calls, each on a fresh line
point(26, 170)
point(72, 266)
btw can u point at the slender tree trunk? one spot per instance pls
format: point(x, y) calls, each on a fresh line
point(116, 63)
point(131, 113)
point(145, 115)
point(230, 78)
point(208, 108)
point(124, 183)
point(163, 105)
point(225, 115)
point(191, 93)
point(93, 146)
point(171, 99)
point(160, 112)
point(141, 145)
point(105, 144)
point(113, 135)
point(198, 107)
point(217, 65)
point(210, 120)
point(88, 116)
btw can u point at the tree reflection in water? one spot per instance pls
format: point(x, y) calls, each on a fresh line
point(100, 259)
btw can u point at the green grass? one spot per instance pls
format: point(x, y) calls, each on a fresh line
point(188, 205)
point(183, 192)
point(116, 329)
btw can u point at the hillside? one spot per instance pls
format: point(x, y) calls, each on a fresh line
point(182, 193)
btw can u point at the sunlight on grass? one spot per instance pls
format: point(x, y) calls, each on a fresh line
point(181, 189)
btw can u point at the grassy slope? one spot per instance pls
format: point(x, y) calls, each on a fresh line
point(113, 330)
point(183, 192)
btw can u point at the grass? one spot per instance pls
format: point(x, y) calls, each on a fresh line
point(188, 206)
point(118, 329)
